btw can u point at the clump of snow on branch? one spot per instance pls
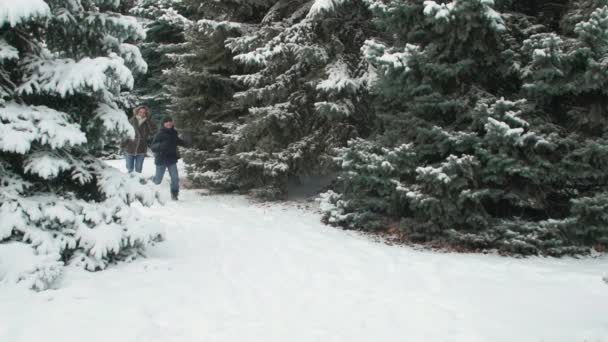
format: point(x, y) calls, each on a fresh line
point(129, 189)
point(447, 11)
point(338, 79)
point(438, 11)
point(161, 11)
point(388, 58)
point(21, 126)
point(67, 76)
point(113, 120)
point(338, 108)
point(324, 6)
point(45, 164)
point(14, 12)
point(332, 206)
point(206, 24)
point(7, 51)
point(173, 18)
point(596, 28)
point(129, 52)
point(121, 26)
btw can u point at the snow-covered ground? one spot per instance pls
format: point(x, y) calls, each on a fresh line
point(235, 271)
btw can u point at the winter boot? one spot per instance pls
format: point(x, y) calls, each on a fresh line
point(174, 196)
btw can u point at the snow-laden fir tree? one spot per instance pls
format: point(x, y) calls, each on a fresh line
point(302, 86)
point(200, 84)
point(201, 87)
point(165, 22)
point(178, 47)
point(494, 132)
point(63, 68)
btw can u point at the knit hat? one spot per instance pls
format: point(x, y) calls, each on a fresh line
point(166, 119)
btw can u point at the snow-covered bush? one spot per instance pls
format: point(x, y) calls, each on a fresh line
point(64, 68)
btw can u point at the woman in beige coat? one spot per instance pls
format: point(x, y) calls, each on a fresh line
point(136, 148)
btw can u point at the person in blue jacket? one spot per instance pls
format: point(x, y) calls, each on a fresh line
point(164, 145)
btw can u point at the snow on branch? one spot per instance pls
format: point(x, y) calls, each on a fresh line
point(338, 79)
point(260, 56)
point(129, 52)
point(11, 185)
point(339, 109)
point(13, 12)
point(284, 46)
point(113, 120)
point(439, 11)
point(22, 125)
point(324, 6)
point(112, 3)
point(452, 168)
point(45, 164)
point(388, 58)
point(132, 55)
point(7, 51)
point(68, 77)
point(447, 11)
point(126, 188)
point(214, 24)
point(122, 26)
point(173, 18)
point(500, 129)
point(596, 28)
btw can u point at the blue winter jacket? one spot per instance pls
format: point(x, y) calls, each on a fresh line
point(164, 145)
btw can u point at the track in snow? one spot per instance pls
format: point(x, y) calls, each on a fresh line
point(240, 272)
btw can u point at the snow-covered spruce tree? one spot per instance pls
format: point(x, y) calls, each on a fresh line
point(63, 65)
point(495, 128)
point(178, 48)
point(201, 87)
point(165, 22)
point(304, 85)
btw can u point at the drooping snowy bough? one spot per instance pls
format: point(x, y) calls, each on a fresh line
point(63, 68)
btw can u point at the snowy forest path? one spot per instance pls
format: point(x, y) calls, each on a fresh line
point(232, 270)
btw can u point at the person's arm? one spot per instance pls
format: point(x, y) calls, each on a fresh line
point(155, 145)
point(153, 128)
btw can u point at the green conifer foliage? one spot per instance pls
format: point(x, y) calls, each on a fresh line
point(201, 86)
point(165, 22)
point(298, 93)
point(494, 127)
